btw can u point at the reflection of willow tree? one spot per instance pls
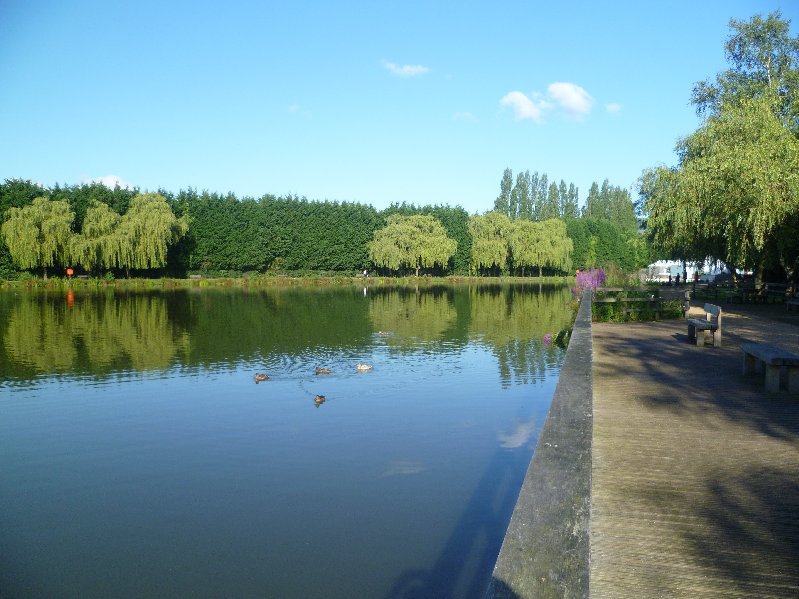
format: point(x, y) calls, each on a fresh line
point(228, 325)
point(106, 333)
point(412, 317)
point(513, 321)
point(134, 331)
point(100, 334)
point(39, 335)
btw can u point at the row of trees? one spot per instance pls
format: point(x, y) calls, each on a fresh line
point(96, 229)
point(40, 235)
point(533, 197)
point(498, 244)
point(734, 194)
point(604, 231)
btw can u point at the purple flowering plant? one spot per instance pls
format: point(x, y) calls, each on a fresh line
point(593, 278)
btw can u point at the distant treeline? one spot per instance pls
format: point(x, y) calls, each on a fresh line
point(218, 234)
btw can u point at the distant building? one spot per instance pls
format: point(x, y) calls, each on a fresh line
point(660, 271)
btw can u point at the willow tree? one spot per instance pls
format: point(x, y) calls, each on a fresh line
point(490, 238)
point(527, 244)
point(146, 231)
point(97, 246)
point(558, 247)
point(38, 235)
point(541, 244)
point(735, 195)
point(417, 241)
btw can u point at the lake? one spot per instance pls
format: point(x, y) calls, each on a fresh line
point(141, 459)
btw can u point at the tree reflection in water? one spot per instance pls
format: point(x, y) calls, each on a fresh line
point(102, 333)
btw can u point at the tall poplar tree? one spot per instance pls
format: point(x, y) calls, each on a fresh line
point(592, 206)
point(521, 196)
point(502, 203)
point(543, 197)
point(535, 200)
point(571, 208)
point(563, 198)
point(552, 205)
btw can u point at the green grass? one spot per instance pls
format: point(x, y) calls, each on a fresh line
point(260, 280)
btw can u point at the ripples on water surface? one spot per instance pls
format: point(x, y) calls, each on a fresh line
point(141, 459)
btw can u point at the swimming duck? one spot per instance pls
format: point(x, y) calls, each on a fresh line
point(322, 370)
point(319, 400)
point(383, 333)
point(259, 378)
point(363, 367)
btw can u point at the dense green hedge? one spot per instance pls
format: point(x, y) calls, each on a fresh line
point(291, 234)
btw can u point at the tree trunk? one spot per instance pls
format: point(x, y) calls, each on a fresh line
point(790, 269)
point(540, 273)
point(733, 274)
point(759, 272)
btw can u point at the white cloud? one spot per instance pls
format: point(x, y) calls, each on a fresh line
point(109, 181)
point(524, 107)
point(464, 116)
point(613, 107)
point(572, 98)
point(405, 70)
point(519, 435)
point(568, 99)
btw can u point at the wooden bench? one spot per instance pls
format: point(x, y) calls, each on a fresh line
point(776, 292)
point(711, 324)
point(759, 356)
point(632, 305)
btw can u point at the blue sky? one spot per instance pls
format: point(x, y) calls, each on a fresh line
point(371, 102)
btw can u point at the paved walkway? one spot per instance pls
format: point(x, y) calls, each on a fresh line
point(695, 477)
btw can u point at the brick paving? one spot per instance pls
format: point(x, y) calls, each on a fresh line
point(695, 473)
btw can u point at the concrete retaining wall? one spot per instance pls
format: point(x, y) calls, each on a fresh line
point(545, 552)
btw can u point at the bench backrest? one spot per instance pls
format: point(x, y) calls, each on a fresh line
point(713, 313)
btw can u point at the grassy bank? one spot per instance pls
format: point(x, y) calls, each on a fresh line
point(256, 281)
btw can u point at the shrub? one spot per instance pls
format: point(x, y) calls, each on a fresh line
point(592, 278)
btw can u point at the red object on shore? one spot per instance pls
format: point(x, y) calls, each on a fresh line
point(70, 272)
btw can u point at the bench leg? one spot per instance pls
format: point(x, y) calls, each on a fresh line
point(717, 338)
point(691, 333)
point(749, 364)
point(772, 378)
point(793, 379)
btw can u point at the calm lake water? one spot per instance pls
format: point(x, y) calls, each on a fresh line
point(139, 458)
